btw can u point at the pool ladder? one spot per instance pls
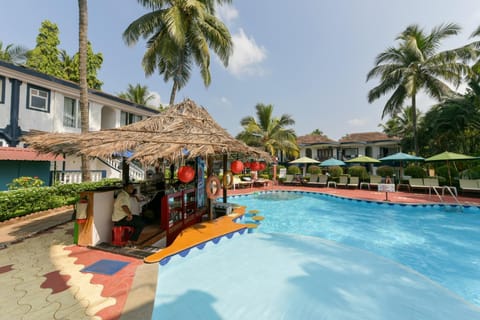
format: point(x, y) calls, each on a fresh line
point(459, 205)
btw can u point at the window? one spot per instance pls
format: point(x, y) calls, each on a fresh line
point(129, 118)
point(38, 98)
point(71, 113)
point(2, 89)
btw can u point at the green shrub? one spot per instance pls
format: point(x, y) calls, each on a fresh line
point(25, 182)
point(358, 171)
point(442, 171)
point(415, 171)
point(472, 173)
point(313, 169)
point(385, 171)
point(19, 202)
point(293, 170)
point(335, 171)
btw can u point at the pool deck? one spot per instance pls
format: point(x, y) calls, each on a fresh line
point(40, 268)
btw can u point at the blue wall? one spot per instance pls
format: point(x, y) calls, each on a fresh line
point(10, 170)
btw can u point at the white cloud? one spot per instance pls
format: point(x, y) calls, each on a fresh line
point(247, 55)
point(357, 122)
point(156, 101)
point(225, 101)
point(227, 13)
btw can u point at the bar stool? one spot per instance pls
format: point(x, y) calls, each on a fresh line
point(121, 235)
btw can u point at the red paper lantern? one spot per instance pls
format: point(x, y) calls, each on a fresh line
point(236, 166)
point(263, 166)
point(254, 166)
point(186, 174)
point(247, 164)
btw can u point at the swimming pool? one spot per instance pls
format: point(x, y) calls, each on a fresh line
point(439, 242)
point(290, 270)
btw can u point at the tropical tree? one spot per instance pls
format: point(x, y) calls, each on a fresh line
point(138, 94)
point(415, 65)
point(94, 63)
point(401, 125)
point(82, 65)
point(13, 53)
point(454, 124)
point(317, 132)
point(45, 57)
point(180, 33)
point(269, 132)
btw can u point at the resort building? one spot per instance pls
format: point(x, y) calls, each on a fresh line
point(372, 144)
point(30, 100)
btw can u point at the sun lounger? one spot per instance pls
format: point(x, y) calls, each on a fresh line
point(469, 185)
point(238, 183)
point(353, 182)
point(417, 183)
point(374, 181)
point(342, 182)
point(322, 180)
point(313, 180)
point(289, 180)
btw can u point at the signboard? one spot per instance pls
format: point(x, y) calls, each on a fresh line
point(282, 172)
point(200, 183)
point(384, 187)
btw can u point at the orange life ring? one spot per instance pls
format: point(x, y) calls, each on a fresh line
point(213, 187)
point(228, 180)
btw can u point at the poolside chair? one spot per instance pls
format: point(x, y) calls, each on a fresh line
point(353, 182)
point(468, 185)
point(417, 183)
point(322, 180)
point(313, 180)
point(374, 181)
point(289, 180)
point(342, 182)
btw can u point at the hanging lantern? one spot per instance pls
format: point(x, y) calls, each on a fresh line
point(247, 164)
point(254, 166)
point(262, 165)
point(236, 166)
point(186, 174)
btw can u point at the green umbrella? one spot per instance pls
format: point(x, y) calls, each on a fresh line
point(449, 156)
point(363, 159)
point(305, 160)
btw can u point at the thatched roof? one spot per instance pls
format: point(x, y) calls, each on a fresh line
point(182, 128)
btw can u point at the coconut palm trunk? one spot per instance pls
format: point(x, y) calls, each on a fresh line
point(82, 49)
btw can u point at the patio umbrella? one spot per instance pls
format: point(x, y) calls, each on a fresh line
point(449, 156)
point(306, 161)
point(363, 159)
point(401, 157)
point(332, 162)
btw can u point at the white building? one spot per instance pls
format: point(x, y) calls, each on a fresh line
point(30, 100)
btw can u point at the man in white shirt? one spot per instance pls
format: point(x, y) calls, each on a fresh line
point(122, 213)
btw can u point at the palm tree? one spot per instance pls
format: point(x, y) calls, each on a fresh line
point(138, 94)
point(455, 123)
point(269, 132)
point(13, 53)
point(414, 65)
point(82, 50)
point(180, 33)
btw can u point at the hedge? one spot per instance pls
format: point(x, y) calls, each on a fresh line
point(20, 202)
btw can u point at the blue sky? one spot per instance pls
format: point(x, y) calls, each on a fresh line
point(309, 58)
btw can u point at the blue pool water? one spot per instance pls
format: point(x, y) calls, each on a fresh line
point(320, 257)
point(439, 242)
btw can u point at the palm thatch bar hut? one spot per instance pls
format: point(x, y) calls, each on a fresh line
point(182, 131)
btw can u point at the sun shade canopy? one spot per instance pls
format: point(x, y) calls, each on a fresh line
point(183, 131)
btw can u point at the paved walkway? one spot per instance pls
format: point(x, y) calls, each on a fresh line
point(41, 273)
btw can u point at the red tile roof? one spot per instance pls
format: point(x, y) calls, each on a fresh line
point(367, 137)
point(25, 154)
point(315, 139)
